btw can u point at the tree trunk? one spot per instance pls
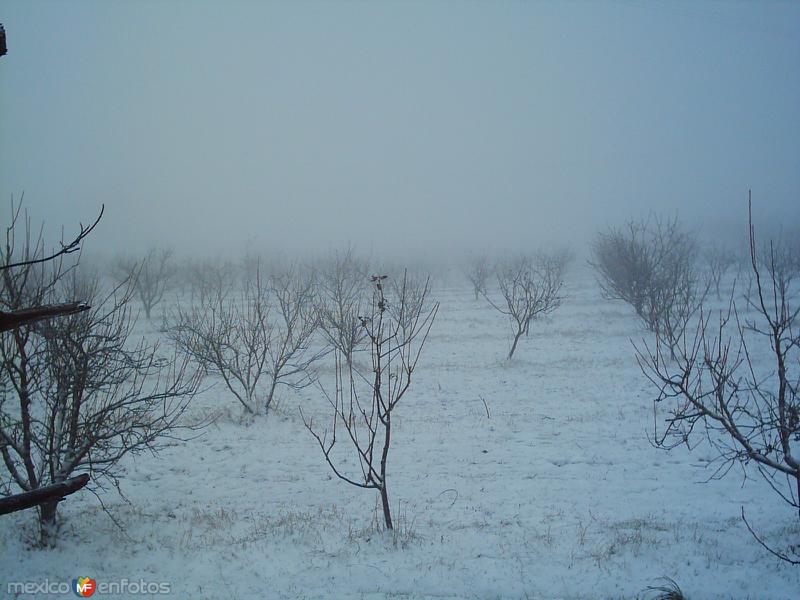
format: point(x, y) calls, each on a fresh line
point(387, 438)
point(387, 515)
point(47, 523)
point(797, 478)
point(268, 403)
point(514, 345)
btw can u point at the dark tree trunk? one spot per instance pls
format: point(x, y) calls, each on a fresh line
point(387, 515)
point(797, 478)
point(272, 387)
point(514, 345)
point(48, 513)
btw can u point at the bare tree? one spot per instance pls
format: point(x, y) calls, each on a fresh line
point(340, 301)
point(530, 287)
point(478, 270)
point(151, 277)
point(719, 261)
point(652, 266)
point(731, 379)
point(255, 340)
point(17, 318)
point(78, 394)
point(228, 334)
point(291, 355)
point(205, 277)
point(363, 405)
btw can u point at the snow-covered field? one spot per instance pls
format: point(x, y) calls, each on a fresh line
point(557, 493)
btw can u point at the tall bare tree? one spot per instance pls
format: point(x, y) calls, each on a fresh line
point(730, 377)
point(363, 404)
point(79, 393)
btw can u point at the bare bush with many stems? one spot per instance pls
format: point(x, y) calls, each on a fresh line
point(204, 277)
point(719, 261)
point(652, 265)
point(255, 338)
point(151, 277)
point(478, 271)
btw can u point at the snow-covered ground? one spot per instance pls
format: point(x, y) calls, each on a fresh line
point(557, 493)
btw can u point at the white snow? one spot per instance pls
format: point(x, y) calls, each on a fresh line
point(557, 494)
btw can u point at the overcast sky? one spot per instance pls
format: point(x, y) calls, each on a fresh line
point(429, 126)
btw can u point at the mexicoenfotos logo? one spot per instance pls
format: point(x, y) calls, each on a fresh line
point(84, 586)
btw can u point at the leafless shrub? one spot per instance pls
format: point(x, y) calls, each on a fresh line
point(478, 270)
point(652, 266)
point(340, 301)
point(229, 335)
point(79, 392)
point(719, 260)
point(254, 340)
point(718, 387)
point(363, 404)
point(204, 277)
point(529, 287)
point(151, 276)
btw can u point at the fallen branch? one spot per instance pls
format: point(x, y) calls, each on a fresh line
point(48, 493)
point(25, 316)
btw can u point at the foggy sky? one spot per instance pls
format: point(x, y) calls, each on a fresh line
point(426, 127)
